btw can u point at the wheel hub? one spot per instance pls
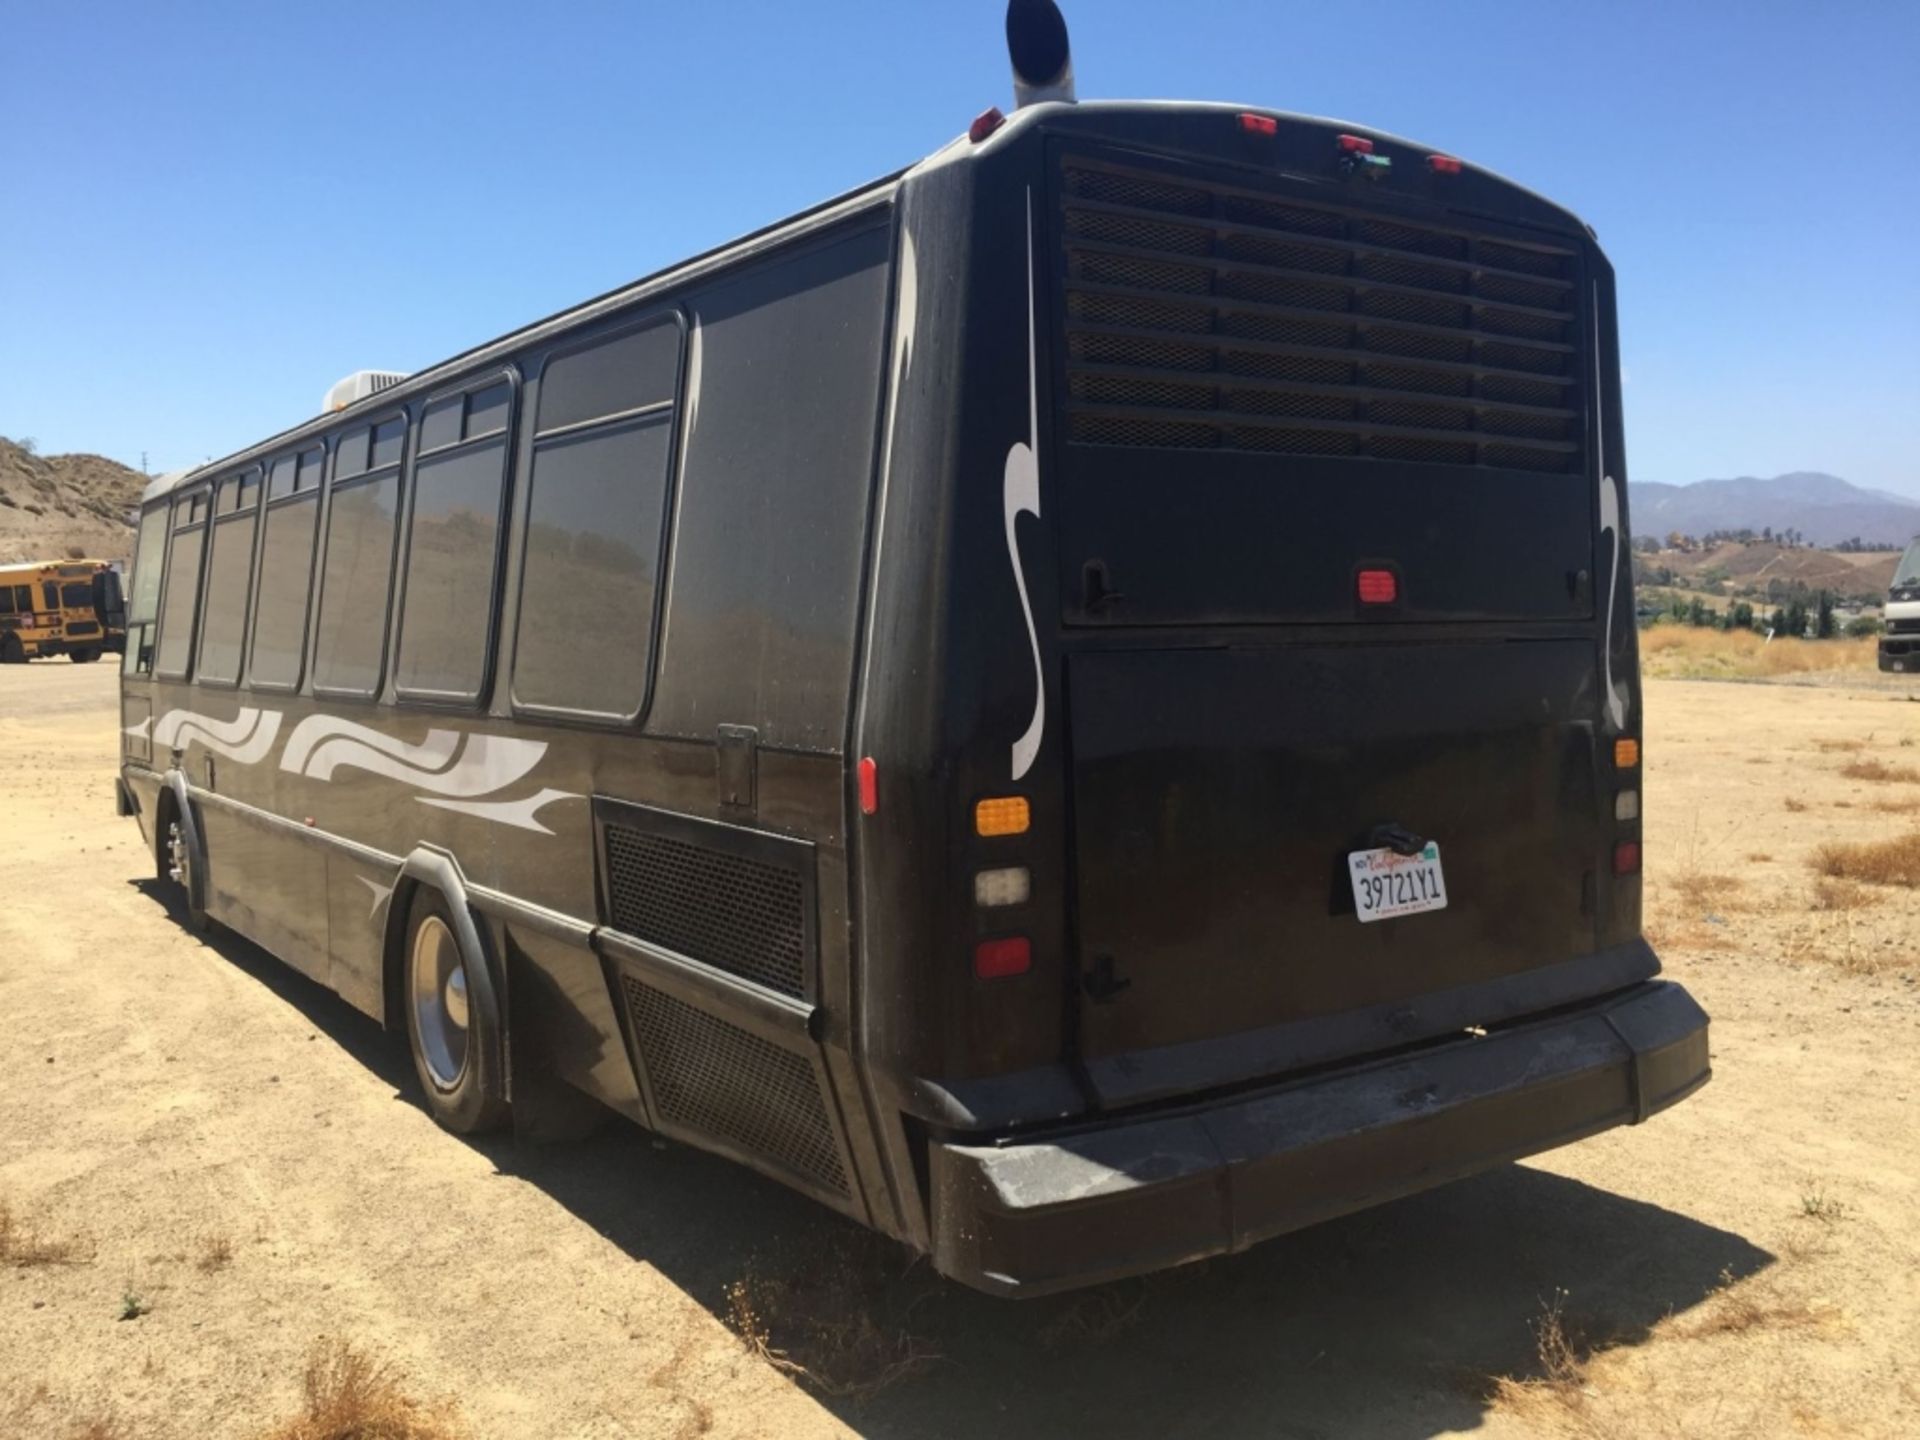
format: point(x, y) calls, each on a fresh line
point(437, 989)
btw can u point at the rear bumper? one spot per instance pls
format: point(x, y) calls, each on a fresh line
point(1901, 652)
point(1028, 1217)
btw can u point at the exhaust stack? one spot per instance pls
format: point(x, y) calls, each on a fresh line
point(1037, 46)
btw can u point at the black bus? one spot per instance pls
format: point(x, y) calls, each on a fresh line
point(1077, 704)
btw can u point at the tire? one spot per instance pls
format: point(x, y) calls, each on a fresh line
point(181, 867)
point(11, 651)
point(83, 657)
point(454, 1029)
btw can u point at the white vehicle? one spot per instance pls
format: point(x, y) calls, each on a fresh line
point(1900, 645)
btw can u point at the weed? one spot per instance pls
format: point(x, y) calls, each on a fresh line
point(1879, 770)
point(1841, 895)
point(1878, 862)
point(1897, 806)
point(1794, 804)
point(216, 1253)
point(1738, 1308)
point(348, 1394)
point(1095, 1317)
point(23, 1246)
point(1816, 1204)
point(133, 1304)
point(824, 1321)
point(1830, 747)
point(1759, 857)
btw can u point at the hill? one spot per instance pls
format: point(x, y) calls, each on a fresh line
point(1764, 571)
point(1824, 509)
point(53, 505)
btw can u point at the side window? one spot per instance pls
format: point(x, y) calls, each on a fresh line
point(182, 591)
point(286, 572)
point(143, 601)
point(356, 579)
point(6, 600)
point(453, 547)
point(772, 516)
point(76, 595)
point(223, 611)
point(50, 592)
point(603, 439)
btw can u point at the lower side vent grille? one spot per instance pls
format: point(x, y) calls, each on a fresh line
point(710, 1076)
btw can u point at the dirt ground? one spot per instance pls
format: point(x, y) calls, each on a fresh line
point(207, 1164)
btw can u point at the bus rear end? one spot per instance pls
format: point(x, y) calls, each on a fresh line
point(1326, 761)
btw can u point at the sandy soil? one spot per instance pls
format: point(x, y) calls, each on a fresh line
point(186, 1125)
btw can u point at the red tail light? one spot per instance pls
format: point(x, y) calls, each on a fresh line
point(985, 123)
point(1355, 145)
point(1626, 858)
point(1378, 587)
point(1260, 124)
point(995, 959)
point(1443, 164)
point(869, 786)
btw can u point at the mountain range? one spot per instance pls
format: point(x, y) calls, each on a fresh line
point(1825, 509)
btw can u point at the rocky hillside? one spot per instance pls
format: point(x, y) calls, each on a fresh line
point(1823, 509)
point(53, 506)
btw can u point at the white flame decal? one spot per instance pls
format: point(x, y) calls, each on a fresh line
point(245, 739)
point(1020, 492)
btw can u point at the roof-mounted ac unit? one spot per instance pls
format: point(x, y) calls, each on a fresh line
point(358, 386)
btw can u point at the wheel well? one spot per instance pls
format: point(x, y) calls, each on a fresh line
point(394, 952)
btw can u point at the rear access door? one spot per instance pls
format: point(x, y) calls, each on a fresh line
point(1327, 522)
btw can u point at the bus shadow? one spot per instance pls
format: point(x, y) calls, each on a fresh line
point(1387, 1325)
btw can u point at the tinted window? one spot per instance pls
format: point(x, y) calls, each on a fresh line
point(280, 614)
point(223, 618)
point(177, 608)
point(77, 593)
point(452, 544)
point(144, 604)
point(283, 477)
point(351, 637)
point(487, 409)
point(388, 437)
point(308, 477)
point(771, 517)
point(6, 600)
point(350, 455)
point(597, 493)
point(441, 426)
point(50, 592)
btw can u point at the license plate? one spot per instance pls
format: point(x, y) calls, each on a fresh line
point(1387, 883)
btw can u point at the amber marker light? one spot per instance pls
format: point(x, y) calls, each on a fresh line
point(1002, 815)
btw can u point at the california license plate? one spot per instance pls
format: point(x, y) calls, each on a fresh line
point(1387, 883)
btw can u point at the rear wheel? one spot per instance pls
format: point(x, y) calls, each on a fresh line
point(83, 657)
point(453, 1025)
point(11, 651)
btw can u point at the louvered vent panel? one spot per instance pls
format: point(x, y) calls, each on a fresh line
point(713, 1077)
point(1199, 316)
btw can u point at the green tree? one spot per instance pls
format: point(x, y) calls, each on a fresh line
point(1825, 626)
point(1741, 618)
point(1778, 622)
point(1796, 625)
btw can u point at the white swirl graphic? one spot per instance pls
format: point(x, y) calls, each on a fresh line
point(1020, 493)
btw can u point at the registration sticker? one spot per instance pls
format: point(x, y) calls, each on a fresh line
point(1387, 883)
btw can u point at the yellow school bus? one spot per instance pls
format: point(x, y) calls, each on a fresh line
point(60, 607)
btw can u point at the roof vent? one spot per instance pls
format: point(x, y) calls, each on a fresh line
point(1037, 45)
point(358, 386)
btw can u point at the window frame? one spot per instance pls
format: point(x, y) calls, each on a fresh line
point(509, 439)
point(242, 509)
point(187, 501)
point(268, 504)
point(674, 407)
point(317, 603)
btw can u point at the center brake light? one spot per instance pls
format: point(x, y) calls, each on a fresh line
point(1355, 145)
point(1377, 587)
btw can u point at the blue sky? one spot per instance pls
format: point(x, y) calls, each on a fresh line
point(211, 212)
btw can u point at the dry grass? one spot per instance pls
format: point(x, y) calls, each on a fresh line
point(35, 1411)
point(1877, 862)
point(1797, 806)
point(1738, 1308)
point(1879, 770)
point(24, 1246)
point(825, 1322)
point(1897, 806)
point(1559, 1400)
point(1759, 857)
point(1844, 747)
point(1686, 653)
point(1841, 895)
point(215, 1253)
point(348, 1394)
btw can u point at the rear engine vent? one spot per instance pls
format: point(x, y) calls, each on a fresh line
point(1203, 316)
point(718, 1080)
point(723, 909)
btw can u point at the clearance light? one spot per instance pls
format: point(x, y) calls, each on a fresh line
point(996, 959)
point(1626, 858)
point(1354, 145)
point(1626, 753)
point(1004, 815)
point(1626, 805)
point(1443, 164)
point(1010, 885)
point(1259, 124)
point(1378, 587)
point(985, 123)
point(869, 774)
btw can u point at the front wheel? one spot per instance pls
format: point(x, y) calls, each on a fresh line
point(11, 650)
point(453, 1022)
point(83, 657)
point(181, 868)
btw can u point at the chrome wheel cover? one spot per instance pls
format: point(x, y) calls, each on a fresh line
point(437, 991)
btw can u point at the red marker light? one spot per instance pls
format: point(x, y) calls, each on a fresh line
point(985, 123)
point(1355, 145)
point(1378, 587)
point(869, 774)
point(1443, 164)
point(1626, 858)
point(997, 959)
point(1260, 124)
